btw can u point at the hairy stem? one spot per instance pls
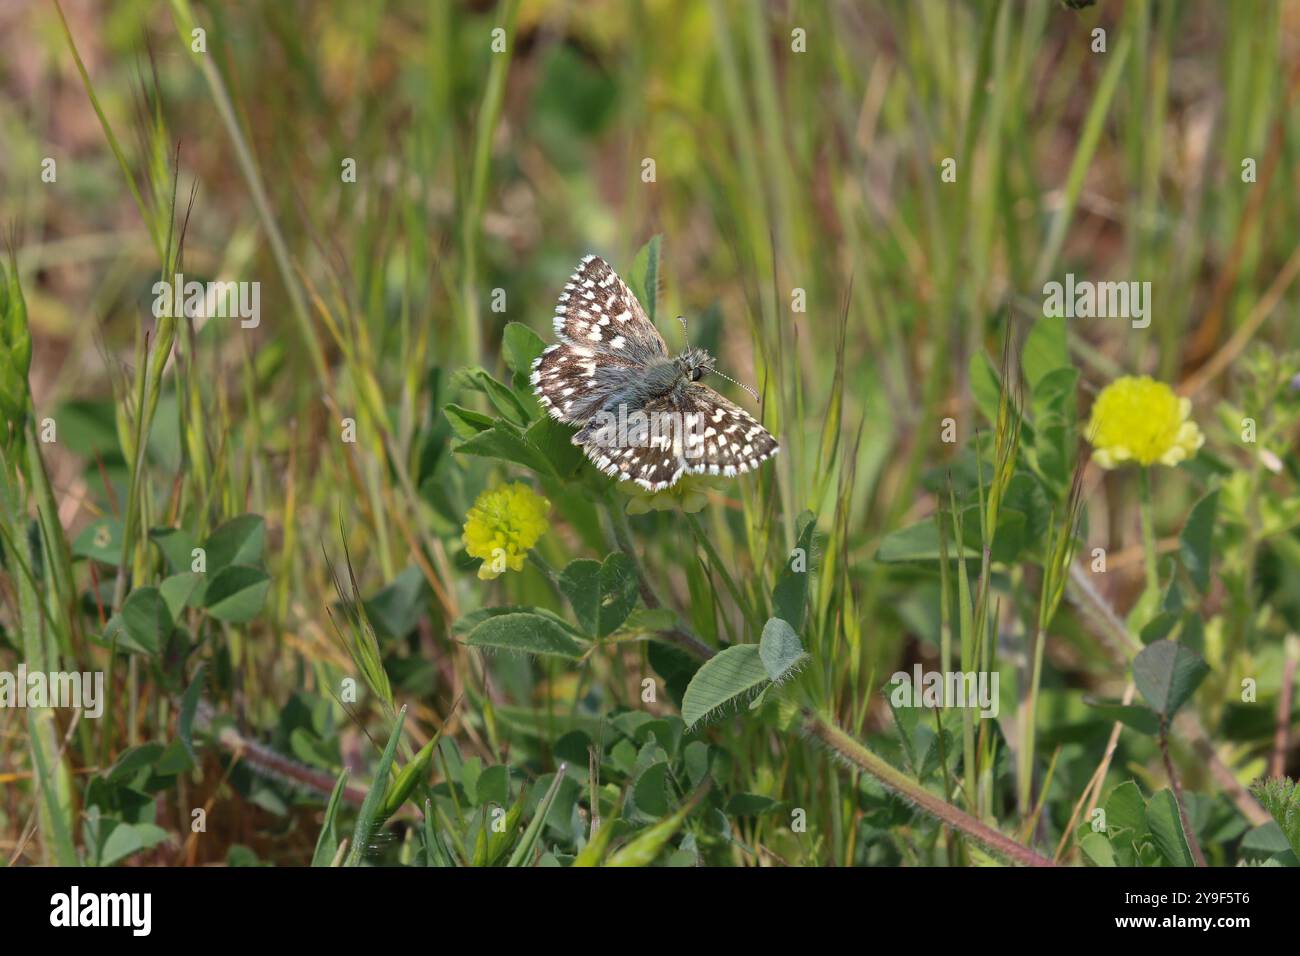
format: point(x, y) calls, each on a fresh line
point(1177, 788)
point(898, 782)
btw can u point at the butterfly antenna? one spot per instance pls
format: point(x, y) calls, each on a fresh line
point(752, 391)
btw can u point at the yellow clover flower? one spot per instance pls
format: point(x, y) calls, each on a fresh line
point(690, 494)
point(1136, 418)
point(502, 525)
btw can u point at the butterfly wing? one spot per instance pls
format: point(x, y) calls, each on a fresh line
point(694, 430)
point(732, 441)
point(573, 382)
point(604, 336)
point(597, 311)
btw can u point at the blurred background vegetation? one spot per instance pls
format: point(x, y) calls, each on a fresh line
point(809, 236)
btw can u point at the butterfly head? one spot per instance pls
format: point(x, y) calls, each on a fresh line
point(695, 363)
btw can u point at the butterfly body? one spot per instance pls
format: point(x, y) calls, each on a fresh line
point(661, 376)
point(642, 413)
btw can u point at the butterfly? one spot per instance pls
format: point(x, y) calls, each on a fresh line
point(642, 414)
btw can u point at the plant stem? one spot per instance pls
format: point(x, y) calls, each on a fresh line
point(900, 784)
point(1148, 531)
point(540, 563)
point(1277, 766)
point(1028, 723)
point(1177, 788)
point(50, 779)
point(472, 213)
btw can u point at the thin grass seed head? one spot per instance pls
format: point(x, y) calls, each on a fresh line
point(1062, 541)
point(356, 633)
point(15, 345)
point(1137, 419)
point(1006, 442)
point(504, 523)
point(405, 780)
